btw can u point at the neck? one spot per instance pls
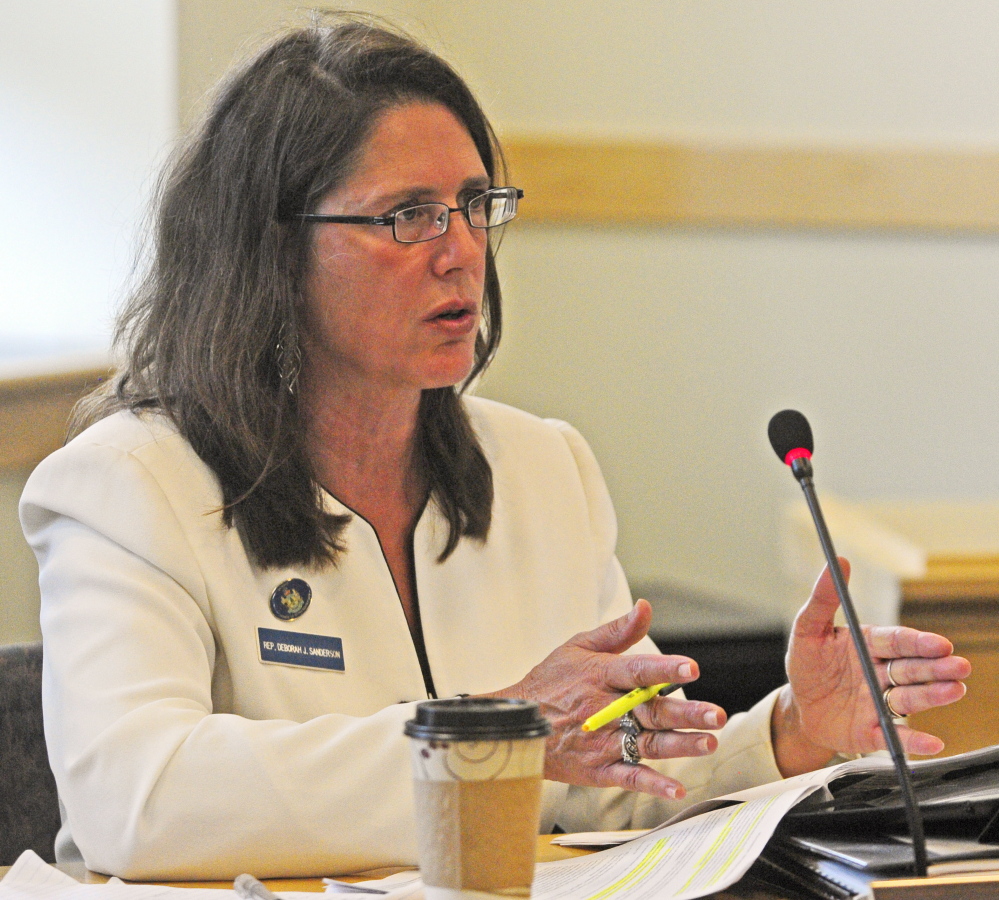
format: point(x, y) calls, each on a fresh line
point(362, 442)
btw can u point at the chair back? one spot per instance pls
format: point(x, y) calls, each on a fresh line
point(29, 805)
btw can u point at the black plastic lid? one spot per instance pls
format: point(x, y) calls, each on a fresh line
point(477, 719)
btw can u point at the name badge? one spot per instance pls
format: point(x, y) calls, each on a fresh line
point(292, 648)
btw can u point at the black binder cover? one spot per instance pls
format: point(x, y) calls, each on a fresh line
point(954, 789)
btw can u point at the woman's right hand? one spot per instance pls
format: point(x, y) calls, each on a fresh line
point(589, 671)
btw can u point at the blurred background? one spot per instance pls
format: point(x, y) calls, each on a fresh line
point(738, 206)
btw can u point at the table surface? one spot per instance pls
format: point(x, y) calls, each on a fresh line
point(547, 852)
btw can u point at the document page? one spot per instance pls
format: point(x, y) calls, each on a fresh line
point(689, 859)
point(799, 785)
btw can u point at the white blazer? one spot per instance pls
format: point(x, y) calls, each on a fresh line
point(180, 751)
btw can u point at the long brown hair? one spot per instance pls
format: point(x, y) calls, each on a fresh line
point(210, 335)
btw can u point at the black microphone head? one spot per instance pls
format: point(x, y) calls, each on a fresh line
point(789, 431)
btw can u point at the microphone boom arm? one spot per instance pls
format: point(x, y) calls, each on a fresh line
point(802, 470)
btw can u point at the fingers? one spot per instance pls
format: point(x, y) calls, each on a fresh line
point(607, 746)
point(663, 741)
point(816, 616)
point(917, 670)
point(889, 641)
point(625, 673)
point(620, 634)
point(641, 778)
point(651, 745)
point(907, 700)
point(919, 742)
point(671, 744)
point(588, 672)
point(666, 713)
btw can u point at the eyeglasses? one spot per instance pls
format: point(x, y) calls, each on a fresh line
point(427, 221)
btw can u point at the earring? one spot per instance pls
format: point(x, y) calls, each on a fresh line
point(289, 358)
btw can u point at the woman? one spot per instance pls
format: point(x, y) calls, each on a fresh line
point(286, 522)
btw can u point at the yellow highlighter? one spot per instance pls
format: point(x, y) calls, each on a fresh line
point(627, 703)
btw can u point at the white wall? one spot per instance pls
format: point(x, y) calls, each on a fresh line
point(87, 104)
point(919, 69)
point(670, 351)
point(670, 348)
point(87, 107)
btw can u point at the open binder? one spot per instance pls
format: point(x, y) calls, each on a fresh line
point(953, 790)
point(841, 842)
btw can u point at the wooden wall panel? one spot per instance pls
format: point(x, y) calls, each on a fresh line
point(33, 414)
point(969, 617)
point(632, 183)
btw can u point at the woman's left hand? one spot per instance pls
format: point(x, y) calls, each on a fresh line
point(826, 707)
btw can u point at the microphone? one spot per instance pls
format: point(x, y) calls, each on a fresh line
point(791, 437)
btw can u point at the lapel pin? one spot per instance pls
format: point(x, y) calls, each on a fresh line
point(290, 599)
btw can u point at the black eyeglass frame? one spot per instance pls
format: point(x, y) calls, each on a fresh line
point(390, 219)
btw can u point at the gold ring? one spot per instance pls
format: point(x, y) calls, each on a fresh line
point(891, 679)
point(895, 714)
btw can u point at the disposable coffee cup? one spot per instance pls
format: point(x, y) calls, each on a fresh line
point(477, 771)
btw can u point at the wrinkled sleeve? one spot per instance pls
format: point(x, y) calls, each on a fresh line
point(744, 757)
point(155, 784)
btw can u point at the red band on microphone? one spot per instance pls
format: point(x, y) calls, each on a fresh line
point(797, 453)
